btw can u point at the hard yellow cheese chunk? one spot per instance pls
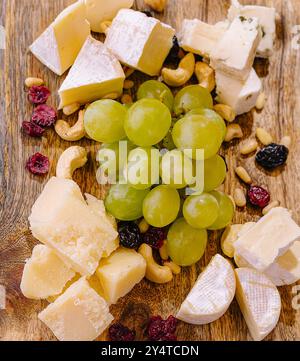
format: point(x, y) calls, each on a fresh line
point(120, 272)
point(61, 42)
point(80, 314)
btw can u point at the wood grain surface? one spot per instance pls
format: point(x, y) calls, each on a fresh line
point(24, 20)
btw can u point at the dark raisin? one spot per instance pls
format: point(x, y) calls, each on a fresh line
point(162, 330)
point(148, 13)
point(31, 129)
point(38, 164)
point(155, 237)
point(119, 332)
point(38, 94)
point(173, 54)
point(129, 234)
point(272, 156)
point(44, 116)
point(258, 196)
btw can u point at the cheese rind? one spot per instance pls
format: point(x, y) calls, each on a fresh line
point(241, 96)
point(235, 52)
point(211, 295)
point(139, 42)
point(59, 45)
point(95, 73)
point(79, 314)
point(259, 301)
point(44, 274)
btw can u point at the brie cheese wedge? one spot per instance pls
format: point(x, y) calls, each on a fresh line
point(211, 295)
point(95, 73)
point(60, 43)
point(139, 42)
point(259, 301)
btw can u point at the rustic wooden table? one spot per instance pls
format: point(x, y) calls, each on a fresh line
point(24, 20)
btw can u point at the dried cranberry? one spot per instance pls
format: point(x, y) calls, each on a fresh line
point(38, 94)
point(162, 330)
point(155, 237)
point(118, 332)
point(32, 129)
point(38, 164)
point(258, 196)
point(272, 156)
point(44, 115)
point(129, 235)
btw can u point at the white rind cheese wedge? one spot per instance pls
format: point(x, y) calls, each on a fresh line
point(269, 239)
point(139, 42)
point(259, 301)
point(61, 219)
point(104, 10)
point(79, 314)
point(241, 96)
point(60, 43)
point(267, 21)
point(235, 52)
point(44, 274)
point(211, 295)
point(200, 38)
point(95, 73)
point(120, 272)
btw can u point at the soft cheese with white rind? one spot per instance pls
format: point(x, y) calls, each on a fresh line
point(44, 274)
point(95, 73)
point(139, 42)
point(235, 52)
point(259, 301)
point(61, 219)
point(120, 272)
point(200, 38)
point(60, 43)
point(241, 96)
point(211, 295)
point(104, 10)
point(269, 239)
point(79, 314)
point(267, 21)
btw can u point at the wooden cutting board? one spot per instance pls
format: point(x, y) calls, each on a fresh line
point(24, 20)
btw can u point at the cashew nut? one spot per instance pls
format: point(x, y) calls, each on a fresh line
point(173, 267)
point(225, 111)
point(154, 272)
point(163, 251)
point(71, 159)
point(68, 133)
point(70, 109)
point(181, 75)
point(156, 5)
point(111, 96)
point(143, 226)
point(205, 75)
point(233, 131)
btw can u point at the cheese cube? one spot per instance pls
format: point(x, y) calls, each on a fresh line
point(120, 272)
point(241, 96)
point(103, 10)
point(139, 42)
point(267, 21)
point(44, 274)
point(235, 52)
point(95, 73)
point(268, 239)
point(60, 43)
point(200, 38)
point(80, 314)
point(61, 219)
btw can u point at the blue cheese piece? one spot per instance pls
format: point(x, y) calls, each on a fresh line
point(235, 52)
point(139, 42)
point(241, 96)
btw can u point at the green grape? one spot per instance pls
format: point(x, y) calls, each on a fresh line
point(214, 172)
point(201, 211)
point(124, 202)
point(104, 121)
point(226, 212)
point(197, 132)
point(192, 97)
point(212, 115)
point(138, 169)
point(176, 169)
point(186, 245)
point(147, 122)
point(156, 90)
point(161, 206)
